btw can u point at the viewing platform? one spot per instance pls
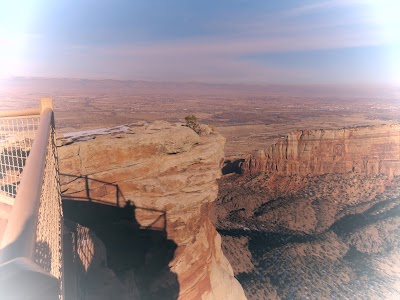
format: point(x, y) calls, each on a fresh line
point(31, 218)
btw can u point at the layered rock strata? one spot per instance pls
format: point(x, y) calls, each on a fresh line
point(169, 174)
point(319, 217)
point(370, 150)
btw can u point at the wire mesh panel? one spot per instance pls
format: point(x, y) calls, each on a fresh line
point(38, 197)
point(48, 250)
point(16, 138)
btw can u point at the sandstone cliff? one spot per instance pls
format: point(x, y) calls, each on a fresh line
point(370, 150)
point(165, 168)
point(319, 217)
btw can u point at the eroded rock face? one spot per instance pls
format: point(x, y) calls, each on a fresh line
point(370, 150)
point(317, 214)
point(169, 174)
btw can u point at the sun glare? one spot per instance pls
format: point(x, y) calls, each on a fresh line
point(385, 15)
point(16, 19)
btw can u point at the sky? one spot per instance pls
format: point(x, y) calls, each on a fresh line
point(224, 41)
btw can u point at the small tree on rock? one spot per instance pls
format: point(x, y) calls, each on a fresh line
point(192, 123)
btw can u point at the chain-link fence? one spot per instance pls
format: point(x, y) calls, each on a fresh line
point(16, 138)
point(48, 248)
point(29, 181)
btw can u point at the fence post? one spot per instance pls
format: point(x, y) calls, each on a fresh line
point(87, 187)
point(46, 103)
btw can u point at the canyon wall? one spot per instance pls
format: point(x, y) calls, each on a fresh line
point(370, 150)
point(169, 173)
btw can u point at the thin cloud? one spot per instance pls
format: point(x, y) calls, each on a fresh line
point(325, 39)
point(148, 64)
point(232, 51)
point(213, 59)
point(321, 5)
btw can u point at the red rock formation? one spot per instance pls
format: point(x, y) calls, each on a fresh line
point(322, 205)
point(168, 168)
point(370, 150)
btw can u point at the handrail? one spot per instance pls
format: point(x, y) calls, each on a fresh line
point(20, 113)
point(31, 246)
point(19, 236)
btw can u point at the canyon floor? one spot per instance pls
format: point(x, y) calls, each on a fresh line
point(329, 236)
point(315, 237)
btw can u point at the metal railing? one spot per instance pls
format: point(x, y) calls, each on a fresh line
point(31, 246)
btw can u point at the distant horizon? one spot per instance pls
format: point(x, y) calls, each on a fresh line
point(244, 83)
point(45, 86)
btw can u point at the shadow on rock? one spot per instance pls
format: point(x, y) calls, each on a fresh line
point(112, 256)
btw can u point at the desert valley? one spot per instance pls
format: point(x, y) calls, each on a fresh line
point(308, 200)
point(199, 150)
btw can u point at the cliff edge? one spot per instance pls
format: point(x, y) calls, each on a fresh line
point(370, 150)
point(169, 174)
point(316, 215)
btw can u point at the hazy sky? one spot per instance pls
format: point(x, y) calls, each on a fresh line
point(338, 41)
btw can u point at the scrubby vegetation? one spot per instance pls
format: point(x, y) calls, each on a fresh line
point(193, 123)
point(333, 236)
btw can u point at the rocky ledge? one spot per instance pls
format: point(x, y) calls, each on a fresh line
point(169, 173)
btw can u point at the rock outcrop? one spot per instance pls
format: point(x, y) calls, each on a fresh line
point(369, 150)
point(169, 173)
point(319, 217)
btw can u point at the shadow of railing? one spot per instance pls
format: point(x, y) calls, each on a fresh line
point(138, 254)
point(107, 193)
point(95, 196)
